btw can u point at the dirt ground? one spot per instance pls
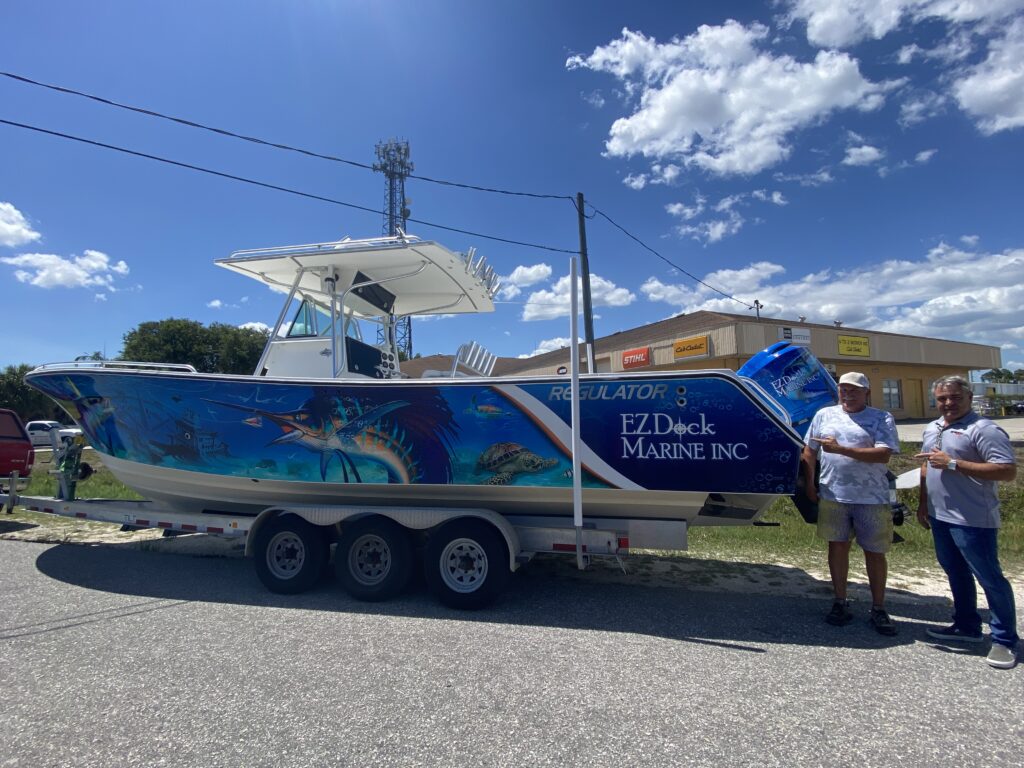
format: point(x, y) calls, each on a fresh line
point(689, 571)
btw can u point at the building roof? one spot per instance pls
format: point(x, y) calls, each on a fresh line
point(676, 327)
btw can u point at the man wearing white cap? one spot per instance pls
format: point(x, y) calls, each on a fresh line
point(854, 442)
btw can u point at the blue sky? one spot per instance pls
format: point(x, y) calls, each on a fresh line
point(857, 161)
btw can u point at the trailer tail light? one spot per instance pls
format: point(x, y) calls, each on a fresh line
point(566, 547)
point(623, 542)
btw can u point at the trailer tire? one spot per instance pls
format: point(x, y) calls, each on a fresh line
point(374, 558)
point(290, 554)
point(466, 563)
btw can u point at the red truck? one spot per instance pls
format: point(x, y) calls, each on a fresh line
point(16, 451)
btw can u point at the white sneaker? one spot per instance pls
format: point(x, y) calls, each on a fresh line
point(1002, 657)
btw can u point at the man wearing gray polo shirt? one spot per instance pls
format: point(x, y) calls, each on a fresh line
point(965, 456)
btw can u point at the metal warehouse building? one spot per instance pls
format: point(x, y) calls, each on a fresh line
point(900, 367)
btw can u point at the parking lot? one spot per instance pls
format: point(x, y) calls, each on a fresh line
point(119, 657)
point(910, 431)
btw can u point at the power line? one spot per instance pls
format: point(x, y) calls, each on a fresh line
point(264, 142)
point(667, 261)
point(310, 153)
point(267, 185)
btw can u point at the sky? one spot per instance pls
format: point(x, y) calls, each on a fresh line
point(856, 161)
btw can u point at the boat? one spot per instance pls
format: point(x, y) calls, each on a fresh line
point(329, 418)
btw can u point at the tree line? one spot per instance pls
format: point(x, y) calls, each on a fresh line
point(216, 348)
point(1003, 376)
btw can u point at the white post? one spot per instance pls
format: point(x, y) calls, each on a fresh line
point(574, 377)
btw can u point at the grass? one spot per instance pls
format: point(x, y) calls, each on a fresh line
point(102, 484)
point(793, 541)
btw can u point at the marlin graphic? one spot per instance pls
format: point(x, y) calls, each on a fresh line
point(362, 436)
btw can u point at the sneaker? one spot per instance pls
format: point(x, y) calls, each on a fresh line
point(881, 622)
point(954, 634)
point(1002, 657)
point(840, 614)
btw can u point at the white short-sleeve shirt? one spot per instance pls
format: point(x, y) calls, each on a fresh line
point(848, 480)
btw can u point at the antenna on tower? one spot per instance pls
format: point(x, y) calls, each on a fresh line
point(393, 161)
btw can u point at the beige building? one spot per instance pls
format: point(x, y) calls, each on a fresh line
point(900, 367)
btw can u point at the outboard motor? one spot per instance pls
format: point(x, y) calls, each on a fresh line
point(801, 385)
point(794, 378)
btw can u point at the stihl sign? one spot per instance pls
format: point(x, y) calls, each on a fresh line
point(636, 358)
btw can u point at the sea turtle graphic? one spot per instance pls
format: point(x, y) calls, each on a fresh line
point(506, 460)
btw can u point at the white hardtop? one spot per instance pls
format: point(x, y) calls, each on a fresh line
point(422, 276)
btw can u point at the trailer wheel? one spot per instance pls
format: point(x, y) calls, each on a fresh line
point(374, 558)
point(290, 554)
point(466, 563)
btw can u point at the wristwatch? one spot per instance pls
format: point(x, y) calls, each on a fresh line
point(951, 465)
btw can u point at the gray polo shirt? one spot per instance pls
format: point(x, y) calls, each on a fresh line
point(952, 496)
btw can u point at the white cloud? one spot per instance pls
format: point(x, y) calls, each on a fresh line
point(715, 101)
point(550, 345)
point(842, 23)
point(958, 46)
point(775, 197)
point(727, 203)
point(992, 91)
point(729, 221)
point(970, 240)
point(833, 24)
point(924, 156)
point(949, 293)
point(594, 99)
point(862, 155)
point(556, 302)
point(713, 230)
point(100, 297)
point(665, 174)
point(258, 326)
point(687, 212)
point(523, 277)
point(215, 304)
point(14, 228)
point(47, 270)
point(921, 106)
point(635, 181)
point(816, 179)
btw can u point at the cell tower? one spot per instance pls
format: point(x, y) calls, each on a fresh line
point(393, 161)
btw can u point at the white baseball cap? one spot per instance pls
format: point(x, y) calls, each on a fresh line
point(856, 379)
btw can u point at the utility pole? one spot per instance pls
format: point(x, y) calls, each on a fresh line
point(758, 306)
point(393, 161)
point(588, 309)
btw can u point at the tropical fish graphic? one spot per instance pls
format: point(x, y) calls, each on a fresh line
point(361, 435)
point(485, 410)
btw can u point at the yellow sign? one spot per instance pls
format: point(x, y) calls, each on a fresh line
point(855, 346)
point(695, 346)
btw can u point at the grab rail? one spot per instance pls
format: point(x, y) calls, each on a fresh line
point(125, 364)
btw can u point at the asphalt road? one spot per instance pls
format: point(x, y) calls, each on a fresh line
point(115, 657)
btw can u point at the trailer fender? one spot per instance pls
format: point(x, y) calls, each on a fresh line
point(415, 518)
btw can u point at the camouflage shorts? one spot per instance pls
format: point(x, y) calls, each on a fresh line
point(872, 524)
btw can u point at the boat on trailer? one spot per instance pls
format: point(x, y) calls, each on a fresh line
point(330, 442)
point(329, 418)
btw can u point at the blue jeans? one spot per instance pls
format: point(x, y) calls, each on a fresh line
point(966, 553)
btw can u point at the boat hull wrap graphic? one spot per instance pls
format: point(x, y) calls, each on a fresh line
point(665, 441)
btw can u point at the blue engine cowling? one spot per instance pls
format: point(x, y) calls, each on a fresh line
point(795, 379)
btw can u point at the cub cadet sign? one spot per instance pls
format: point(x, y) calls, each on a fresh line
point(855, 346)
point(695, 346)
point(636, 358)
